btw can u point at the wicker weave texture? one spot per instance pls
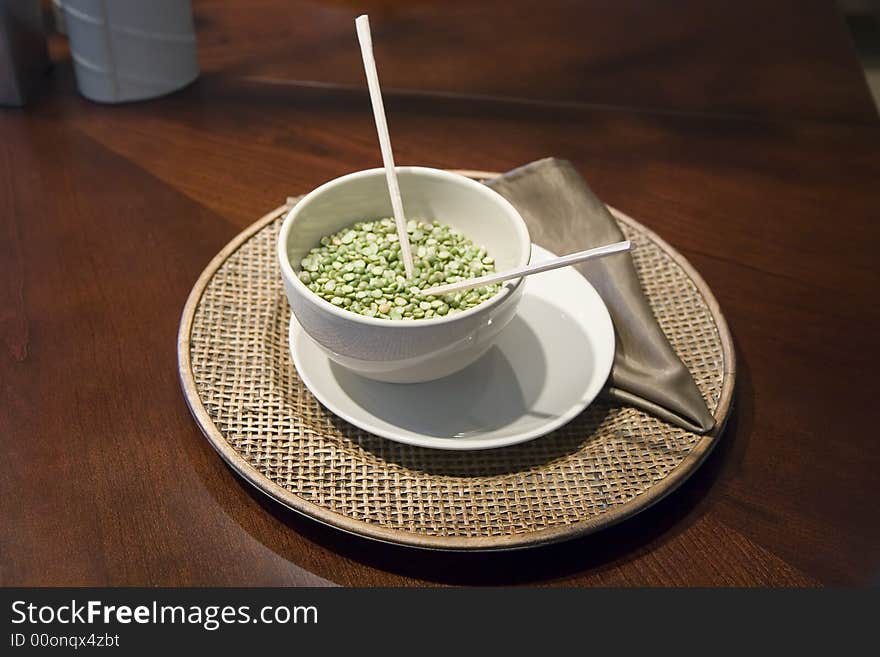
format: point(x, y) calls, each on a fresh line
point(591, 472)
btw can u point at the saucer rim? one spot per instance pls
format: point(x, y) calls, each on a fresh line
point(467, 444)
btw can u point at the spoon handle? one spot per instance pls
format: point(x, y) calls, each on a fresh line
point(528, 270)
point(362, 25)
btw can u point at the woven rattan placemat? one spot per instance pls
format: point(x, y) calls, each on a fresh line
point(606, 465)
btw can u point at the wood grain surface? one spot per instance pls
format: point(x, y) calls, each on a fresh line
point(786, 58)
point(109, 213)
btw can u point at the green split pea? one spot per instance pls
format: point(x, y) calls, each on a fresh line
point(360, 269)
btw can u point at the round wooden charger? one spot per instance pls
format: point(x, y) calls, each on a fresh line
point(606, 465)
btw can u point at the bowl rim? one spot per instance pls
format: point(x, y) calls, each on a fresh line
point(507, 288)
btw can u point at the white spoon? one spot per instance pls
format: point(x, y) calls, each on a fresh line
point(528, 270)
point(362, 23)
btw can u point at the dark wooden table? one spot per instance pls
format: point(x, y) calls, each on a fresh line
point(743, 134)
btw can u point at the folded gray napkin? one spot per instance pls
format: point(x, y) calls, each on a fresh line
point(564, 215)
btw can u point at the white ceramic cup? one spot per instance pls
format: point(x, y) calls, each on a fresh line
point(128, 50)
point(404, 351)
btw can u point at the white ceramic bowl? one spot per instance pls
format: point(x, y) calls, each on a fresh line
point(404, 351)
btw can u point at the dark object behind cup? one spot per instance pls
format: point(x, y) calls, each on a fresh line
point(24, 58)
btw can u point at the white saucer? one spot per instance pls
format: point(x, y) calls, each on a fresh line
point(549, 363)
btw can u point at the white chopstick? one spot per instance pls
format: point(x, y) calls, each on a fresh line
point(528, 270)
point(362, 23)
